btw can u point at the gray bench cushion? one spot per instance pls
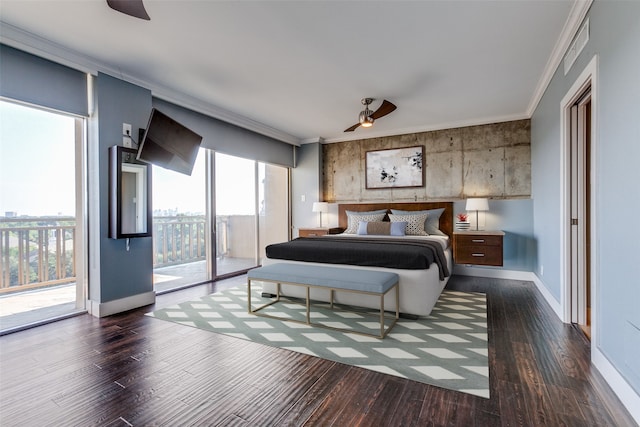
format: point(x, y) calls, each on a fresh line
point(331, 277)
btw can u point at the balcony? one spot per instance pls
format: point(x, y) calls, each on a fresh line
point(37, 261)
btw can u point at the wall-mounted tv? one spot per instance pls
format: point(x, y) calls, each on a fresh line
point(168, 144)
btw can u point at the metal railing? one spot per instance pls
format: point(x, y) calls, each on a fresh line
point(39, 251)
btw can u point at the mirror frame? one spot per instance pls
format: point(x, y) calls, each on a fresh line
point(116, 156)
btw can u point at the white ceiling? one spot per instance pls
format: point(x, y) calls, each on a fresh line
point(296, 70)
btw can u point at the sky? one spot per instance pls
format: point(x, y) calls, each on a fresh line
point(186, 194)
point(37, 167)
point(37, 162)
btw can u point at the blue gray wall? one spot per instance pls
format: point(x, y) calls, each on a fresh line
point(615, 39)
point(122, 273)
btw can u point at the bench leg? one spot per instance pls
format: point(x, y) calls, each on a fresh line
point(250, 310)
point(382, 316)
point(398, 302)
point(308, 308)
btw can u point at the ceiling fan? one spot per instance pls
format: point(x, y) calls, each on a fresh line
point(133, 8)
point(367, 117)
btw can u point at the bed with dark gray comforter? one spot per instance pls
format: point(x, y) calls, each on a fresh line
point(399, 253)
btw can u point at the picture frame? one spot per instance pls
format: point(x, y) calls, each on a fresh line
point(394, 168)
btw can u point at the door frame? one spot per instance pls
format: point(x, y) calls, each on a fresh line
point(568, 299)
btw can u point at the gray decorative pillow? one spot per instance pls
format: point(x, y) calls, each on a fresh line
point(432, 225)
point(415, 223)
point(354, 218)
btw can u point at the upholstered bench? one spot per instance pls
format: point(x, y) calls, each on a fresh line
point(333, 279)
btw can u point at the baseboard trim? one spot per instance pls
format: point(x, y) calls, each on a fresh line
point(103, 309)
point(627, 395)
point(553, 303)
point(495, 273)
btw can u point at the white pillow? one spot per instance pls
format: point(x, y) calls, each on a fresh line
point(415, 223)
point(354, 218)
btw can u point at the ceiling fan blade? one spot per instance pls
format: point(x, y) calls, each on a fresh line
point(384, 109)
point(133, 8)
point(352, 128)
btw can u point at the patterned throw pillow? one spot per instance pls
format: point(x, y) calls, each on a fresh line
point(432, 224)
point(415, 223)
point(354, 218)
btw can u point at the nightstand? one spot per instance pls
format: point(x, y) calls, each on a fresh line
point(319, 231)
point(478, 247)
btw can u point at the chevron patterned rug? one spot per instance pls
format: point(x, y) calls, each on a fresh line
point(447, 349)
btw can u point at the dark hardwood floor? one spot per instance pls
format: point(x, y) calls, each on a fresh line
point(130, 369)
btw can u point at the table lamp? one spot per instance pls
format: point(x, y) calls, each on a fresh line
point(320, 207)
point(477, 204)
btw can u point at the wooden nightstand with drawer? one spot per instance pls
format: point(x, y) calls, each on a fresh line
point(321, 231)
point(478, 247)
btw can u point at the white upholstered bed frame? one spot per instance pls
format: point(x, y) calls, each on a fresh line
point(419, 289)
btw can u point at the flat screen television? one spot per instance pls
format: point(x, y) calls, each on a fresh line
point(168, 144)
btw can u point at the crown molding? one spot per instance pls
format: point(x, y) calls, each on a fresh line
point(28, 42)
point(39, 46)
point(571, 26)
point(227, 116)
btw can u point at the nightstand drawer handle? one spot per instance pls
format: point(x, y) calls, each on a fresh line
point(478, 240)
point(312, 234)
point(477, 255)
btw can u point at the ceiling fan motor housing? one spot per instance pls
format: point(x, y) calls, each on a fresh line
point(365, 117)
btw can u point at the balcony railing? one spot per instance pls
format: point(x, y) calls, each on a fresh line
point(36, 252)
point(178, 239)
point(39, 251)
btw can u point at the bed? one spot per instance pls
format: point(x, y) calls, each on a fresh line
point(421, 282)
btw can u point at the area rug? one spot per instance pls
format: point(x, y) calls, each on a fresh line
point(447, 349)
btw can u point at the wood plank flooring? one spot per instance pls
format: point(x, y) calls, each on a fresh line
point(130, 369)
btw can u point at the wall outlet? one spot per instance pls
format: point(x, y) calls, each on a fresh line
point(126, 141)
point(126, 129)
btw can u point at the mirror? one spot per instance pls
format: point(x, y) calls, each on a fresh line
point(130, 190)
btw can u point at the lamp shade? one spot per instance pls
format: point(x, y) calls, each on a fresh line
point(477, 204)
point(320, 207)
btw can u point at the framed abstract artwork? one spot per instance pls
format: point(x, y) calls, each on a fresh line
point(394, 168)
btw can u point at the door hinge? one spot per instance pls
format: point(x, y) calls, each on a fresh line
point(574, 221)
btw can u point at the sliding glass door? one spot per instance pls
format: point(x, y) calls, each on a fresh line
point(42, 211)
point(180, 231)
point(216, 222)
point(235, 214)
point(273, 214)
point(251, 211)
